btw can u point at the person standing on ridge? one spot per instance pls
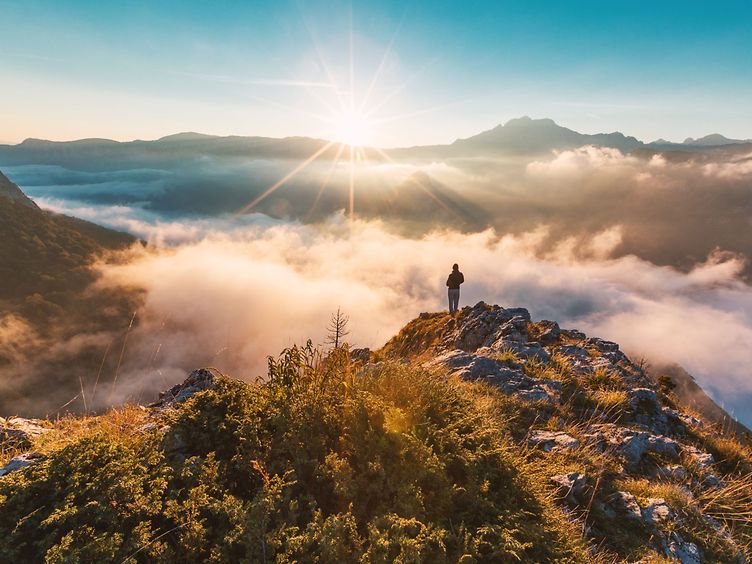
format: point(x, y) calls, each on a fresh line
point(453, 283)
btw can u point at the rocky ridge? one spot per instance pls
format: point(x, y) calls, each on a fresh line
point(614, 412)
point(621, 456)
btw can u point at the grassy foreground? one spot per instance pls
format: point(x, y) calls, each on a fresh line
point(323, 462)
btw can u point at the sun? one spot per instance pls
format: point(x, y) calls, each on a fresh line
point(352, 128)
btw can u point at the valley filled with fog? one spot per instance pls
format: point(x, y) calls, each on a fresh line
point(647, 246)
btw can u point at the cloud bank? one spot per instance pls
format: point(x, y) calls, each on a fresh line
point(228, 300)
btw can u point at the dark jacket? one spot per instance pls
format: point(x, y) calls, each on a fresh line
point(455, 279)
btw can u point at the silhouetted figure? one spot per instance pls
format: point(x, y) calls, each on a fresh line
point(453, 283)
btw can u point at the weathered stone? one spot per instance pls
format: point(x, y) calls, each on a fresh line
point(198, 381)
point(701, 459)
point(684, 552)
point(574, 334)
point(507, 376)
point(19, 462)
point(713, 482)
point(674, 472)
point(657, 511)
point(531, 350)
point(360, 355)
point(626, 504)
point(633, 445)
point(691, 421)
point(572, 485)
point(549, 440)
point(18, 431)
point(645, 409)
point(549, 332)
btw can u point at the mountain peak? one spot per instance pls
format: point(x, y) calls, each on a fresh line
point(714, 139)
point(187, 136)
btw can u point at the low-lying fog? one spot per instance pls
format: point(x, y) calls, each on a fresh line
point(647, 251)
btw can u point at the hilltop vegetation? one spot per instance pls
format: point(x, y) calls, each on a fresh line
point(485, 438)
point(323, 462)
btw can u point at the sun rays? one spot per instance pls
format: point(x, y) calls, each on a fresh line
point(351, 124)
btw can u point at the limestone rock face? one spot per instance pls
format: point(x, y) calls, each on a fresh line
point(18, 431)
point(549, 440)
point(507, 376)
point(20, 462)
point(197, 381)
point(572, 485)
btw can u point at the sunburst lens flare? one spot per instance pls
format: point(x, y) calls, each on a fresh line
point(352, 128)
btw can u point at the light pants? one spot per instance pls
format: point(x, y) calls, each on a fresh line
point(454, 300)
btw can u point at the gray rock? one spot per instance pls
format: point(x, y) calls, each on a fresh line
point(626, 504)
point(601, 345)
point(574, 334)
point(633, 445)
point(198, 381)
point(701, 459)
point(19, 431)
point(713, 482)
point(691, 421)
point(572, 485)
point(645, 409)
point(684, 552)
point(360, 355)
point(531, 350)
point(549, 332)
point(508, 377)
point(549, 440)
point(674, 472)
point(19, 462)
point(657, 512)
point(574, 352)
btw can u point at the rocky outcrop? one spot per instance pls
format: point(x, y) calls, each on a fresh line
point(639, 436)
point(550, 440)
point(505, 375)
point(20, 462)
point(18, 431)
point(198, 380)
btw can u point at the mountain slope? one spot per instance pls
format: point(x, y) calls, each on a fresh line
point(44, 252)
point(714, 140)
point(486, 437)
point(54, 324)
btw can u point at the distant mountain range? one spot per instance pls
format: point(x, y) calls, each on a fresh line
point(709, 141)
point(517, 136)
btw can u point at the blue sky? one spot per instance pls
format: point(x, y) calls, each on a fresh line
point(128, 70)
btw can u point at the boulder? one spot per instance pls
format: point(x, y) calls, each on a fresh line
point(549, 332)
point(509, 377)
point(685, 552)
point(198, 381)
point(550, 440)
point(19, 462)
point(645, 409)
point(632, 445)
point(360, 355)
point(483, 324)
point(657, 512)
point(701, 459)
point(601, 345)
point(19, 431)
point(531, 350)
point(626, 504)
point(572, 485)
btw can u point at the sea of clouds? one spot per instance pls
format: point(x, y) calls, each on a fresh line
point(226, 291)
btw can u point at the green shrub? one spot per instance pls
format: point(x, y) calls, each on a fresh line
point(318, 464)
